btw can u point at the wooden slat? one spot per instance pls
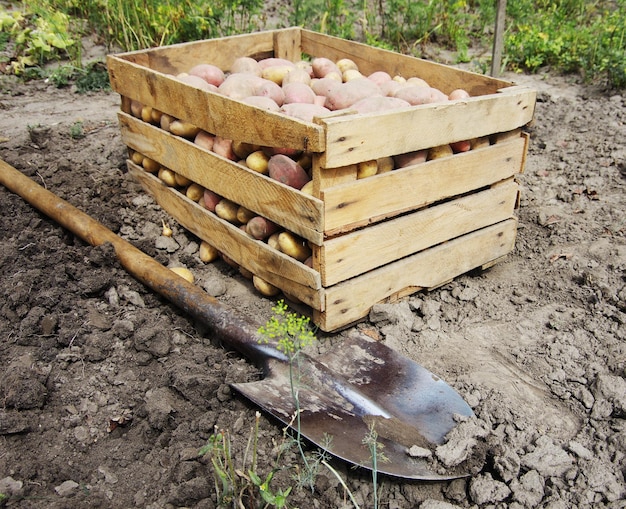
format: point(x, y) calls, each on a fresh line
point(381, 196)
point(222, 52)
point(295, 211)
point(358, 252)
point(352, 139)
point(212, 112)
point(288, 44)
point(254, 255)
point(352, 300)
point(370, 59)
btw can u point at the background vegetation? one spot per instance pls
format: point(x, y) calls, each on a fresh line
point(587, 38)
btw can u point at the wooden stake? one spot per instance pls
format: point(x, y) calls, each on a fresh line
point(498, 39)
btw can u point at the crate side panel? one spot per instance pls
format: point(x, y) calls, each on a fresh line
point(352, 300)
point(288, 44)
point(369, 199)
point(254, 255)
point(360, 251)
point(213, 112)
point(222, 52)
point(295, 211)
point(352, 139)
point(370, 59)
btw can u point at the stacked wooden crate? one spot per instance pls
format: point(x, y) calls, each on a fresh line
point(372, 240)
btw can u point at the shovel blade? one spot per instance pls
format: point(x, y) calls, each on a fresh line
point(360, 385)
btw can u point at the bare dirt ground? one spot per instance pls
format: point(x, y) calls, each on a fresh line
point(536, 344)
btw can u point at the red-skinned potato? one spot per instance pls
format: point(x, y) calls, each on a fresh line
point(210, 200)
point(270, 89)
point(305, 111)
point(224, 147)
point(379, 77)
point(286, 151)
point(410, 158)
point(379, 103)
point(350, 92)
point(275, 61)
point(209, 73)
point(266, 103)
point(323, 86)
point(297, 75)
point(323, 66)
point(196, 81)
point(414, 94)
point(286, 170)
point(459, 93)
point(247, 65)
point(205, 140)
point(261, 228)
point(298, 92)
point(461, 146)
point(238, 86)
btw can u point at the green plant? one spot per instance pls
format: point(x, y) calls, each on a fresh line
point(292, 334)
point(376, 455)
point(77, 130)
point(238, 484)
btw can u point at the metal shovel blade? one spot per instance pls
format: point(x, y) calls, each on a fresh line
point(360, 385)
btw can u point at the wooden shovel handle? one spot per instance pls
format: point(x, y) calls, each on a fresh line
point(239, 332)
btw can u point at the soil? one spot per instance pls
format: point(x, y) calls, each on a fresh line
point(108, 391)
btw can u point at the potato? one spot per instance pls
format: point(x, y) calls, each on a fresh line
point(439, 152)
point(209, 73)
point(184, 129)
point(305, 160)
point(351, 74)
point(224, 147)
point(196, 81)
point(389, 88)
point(323, 66)
point(244, 215)
point(276, 73)
point(243, 149)
point(227, 210)
point(385, 164)
point(379, 103)
point(414, 80)
point(366, 169)
point(150, 165)
point(297, 75)
point(304, 111)
point(308, 188)
point(207, 252)
point(258, 161)
point(350, 92)
point(324, 86)
point(346, 64)
point(155, 116)
point(194, 192)
point(204, 140)
point(437, 96)
point(379, 77)
point(260, 227)
point(461, 146)
point(410, 158)
point(481, 142)
point(274, 62)
point(286, 170)
point(306, 66)
point(414, 94)
point(166, 121)
point(270, 89)
point(246, 65)
point(238, 86)
point(167, 176)
point(229, 261)
point(294, 246)
point(272, 241)
point(264, 288)
point(137, 158)
point(181, 180)
point(297, 92)
point(136, 108)
point(459, 93)
point(245, 272)
point(146, 114)
point(183, 272)
point(210, 200)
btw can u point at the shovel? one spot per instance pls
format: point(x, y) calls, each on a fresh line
point(358, 386)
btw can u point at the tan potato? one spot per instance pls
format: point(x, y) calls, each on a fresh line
point(227, 210)
point(246, 65)
point(183, 272)
point(366, 169)
point(166, 121)
point(146, 114)
point(385, 164)
point(308, 188)
point(155, 116)
point(264, 288)
point(294, 246)
point(272, 241)
point(351, 74)
point(439, 152)
point(137, 158)
point(297, 75)
point(276, 73)
point(207, 252)
point(194, 192)
point(167, 176)
point(136, 108)
point(258, 161)
point(184, 129)
point(243, 149)
point(244, 215)
point(481, 142)
point(150, 165)
point(181, 180)
point(346, 64)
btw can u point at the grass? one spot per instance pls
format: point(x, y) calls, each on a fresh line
point(565, 36)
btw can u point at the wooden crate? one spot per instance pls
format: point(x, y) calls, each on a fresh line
point(374, 239)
